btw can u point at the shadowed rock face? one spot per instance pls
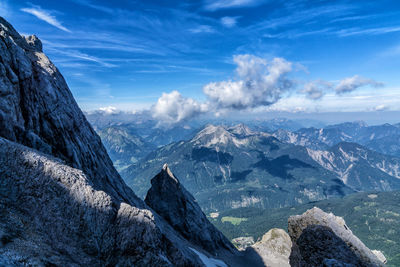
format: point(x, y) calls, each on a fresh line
point(61, 200)
point(319, 245)
point(322, 239)
point(176, 205)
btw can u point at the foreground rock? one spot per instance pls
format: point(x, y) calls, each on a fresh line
point(323, 239)
point(274, 248)
point(50, 214)
point(176, 205)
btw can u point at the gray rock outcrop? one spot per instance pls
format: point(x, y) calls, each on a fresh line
point(176, 205)
point(323, 239)
point(52, 215)
point(274, 248)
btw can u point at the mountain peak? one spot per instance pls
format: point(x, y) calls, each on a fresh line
point(166, 173)
point(213, 135)
point(177, 206)
point(240, 129)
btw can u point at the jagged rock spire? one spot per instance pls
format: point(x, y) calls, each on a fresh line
point(167, 172)
point(174, 203)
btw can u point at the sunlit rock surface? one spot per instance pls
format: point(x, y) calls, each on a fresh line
point(323, 239)
point(274, 248)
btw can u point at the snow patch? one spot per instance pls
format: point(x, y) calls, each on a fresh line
point(209, 262)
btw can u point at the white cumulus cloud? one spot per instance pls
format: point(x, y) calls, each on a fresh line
point(259, 83)
point(45, 16)
point(109, 110)
point(352, 83)
point(173, 107)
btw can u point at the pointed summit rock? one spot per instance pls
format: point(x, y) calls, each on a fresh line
point(176, 205)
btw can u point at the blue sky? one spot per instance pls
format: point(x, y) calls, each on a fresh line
point(126, 54)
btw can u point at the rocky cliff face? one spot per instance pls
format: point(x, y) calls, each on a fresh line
point(322, 239)
point(176, 205)
point(38, 110)
point(61, 200)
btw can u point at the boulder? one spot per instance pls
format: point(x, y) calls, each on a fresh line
point(321, 239)
point(274, 248)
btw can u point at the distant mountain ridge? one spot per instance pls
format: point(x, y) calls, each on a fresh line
point(240, 167)
point(381, 138)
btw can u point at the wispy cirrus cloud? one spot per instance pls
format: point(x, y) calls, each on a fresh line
point(302, 15)
point(46, 16)
point(89, 4)
point(213, 5)
point(367, 31)
point(202, 29)
point(77, 55)
point(229, 22)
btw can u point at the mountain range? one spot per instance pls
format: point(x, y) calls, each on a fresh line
point(381, 138)
point(232, 167)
